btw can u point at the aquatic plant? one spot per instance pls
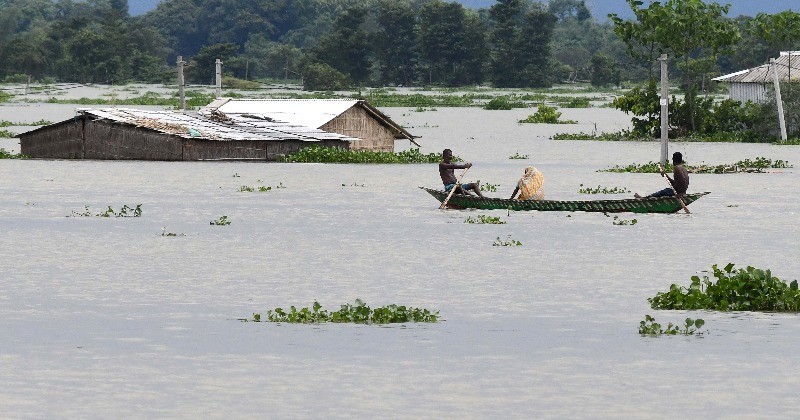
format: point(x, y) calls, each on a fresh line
point(222, 221)
point(319, 154)
point(757, 165)
point(747, 289)
point(650, 327)
point(623, 222)
point(516, 155)
point(483, 219)
point(358, 313)
point(507, 242)
point(5, 154)
point(603, 190)
point(503, 103)
point(5, 134)
point(165, 233)
point(619, 136)
point(546, 115)
point(125, 211)
point(489, 187)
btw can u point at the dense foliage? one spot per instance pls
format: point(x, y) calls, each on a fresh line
point(748, 289)
point(514, 43)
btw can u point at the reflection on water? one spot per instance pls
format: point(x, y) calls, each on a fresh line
point(101, 315)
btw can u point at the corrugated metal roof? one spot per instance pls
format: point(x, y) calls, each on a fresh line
point(214, 126)
point(787, 65)
point(308, 112)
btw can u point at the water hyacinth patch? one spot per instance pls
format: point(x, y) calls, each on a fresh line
point(546, 115)
point(748, 289)
point(757, 165)
point(507, 242)
point(603, 190)
point(358, 313)
point(222, 221)
point(483, 219)
point(516, 155)
point(319, 154)
point(652, 328)
point(125, 211)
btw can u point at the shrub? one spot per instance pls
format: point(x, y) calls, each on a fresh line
point(321, 76)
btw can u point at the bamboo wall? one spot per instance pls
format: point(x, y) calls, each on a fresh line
point(105, 140)
point(60, 141)
point(357, 122)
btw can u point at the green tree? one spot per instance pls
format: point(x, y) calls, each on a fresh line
point(321, 76)
point(451, 42)
point(202, 67)
point(395, 49)
point(604, 71)
point(347, 48)
point(521, 44)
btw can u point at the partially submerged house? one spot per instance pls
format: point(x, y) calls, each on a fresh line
point(349, 117)
point(755, 83)
point(210, 134)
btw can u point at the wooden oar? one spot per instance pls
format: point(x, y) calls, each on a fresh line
point(673, 189)
point(452, 190)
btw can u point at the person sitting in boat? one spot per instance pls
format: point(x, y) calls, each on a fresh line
point(447, 172)
point(530, 186)
point(679, 180)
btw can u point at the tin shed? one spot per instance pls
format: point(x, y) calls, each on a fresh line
point(752, 84)
point(350, 117)
point(119, 133)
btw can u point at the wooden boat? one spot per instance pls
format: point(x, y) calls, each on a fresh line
point(632, 205)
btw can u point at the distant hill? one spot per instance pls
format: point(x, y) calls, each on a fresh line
point(600, 8)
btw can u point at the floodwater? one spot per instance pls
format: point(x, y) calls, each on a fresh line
point(103, 317)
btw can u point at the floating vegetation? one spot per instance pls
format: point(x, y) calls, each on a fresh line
point(516, 155)
point(622, 222)
point(546, 115)
point(165, 233)
point(355, 185)
point(5, 134)
point(483, 219)
point(222, 221)
point(358, 313)
point(489, 187)
point(574, 103)
point(650, 327)
point(504, 103)
point(5, 154)
point(21, 124)
point(507, 242)
point(748, 289)
point(125, 211)
point(418, 100)
point(319, 154)
point(603, 190)
point(621, 136)
point(236, 175)
point(757, 165)
point(421, 109)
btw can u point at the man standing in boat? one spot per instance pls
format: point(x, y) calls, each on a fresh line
point(679, 180)
point(447, 172)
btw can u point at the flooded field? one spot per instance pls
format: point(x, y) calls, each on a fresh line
point(104, 317)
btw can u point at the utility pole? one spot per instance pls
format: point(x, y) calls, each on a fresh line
point(778, 99)
point(664, 101)
point(219, 78)
point(181, 84)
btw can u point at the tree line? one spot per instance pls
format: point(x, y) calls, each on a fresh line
point(336, 43)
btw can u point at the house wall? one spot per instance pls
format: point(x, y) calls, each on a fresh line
point(743, 92)
point(357, 122)
point(106, 140)
point(60, 141)
point(111, 141)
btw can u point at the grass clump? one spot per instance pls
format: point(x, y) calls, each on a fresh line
point(357, 313)
point(319, 154)
point(747, 289)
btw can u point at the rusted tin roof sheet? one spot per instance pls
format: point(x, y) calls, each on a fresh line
point(214, 126)
point(787, 65)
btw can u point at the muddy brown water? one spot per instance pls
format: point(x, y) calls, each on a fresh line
point(105, 316)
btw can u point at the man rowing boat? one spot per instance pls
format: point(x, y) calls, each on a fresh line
point(447, 173)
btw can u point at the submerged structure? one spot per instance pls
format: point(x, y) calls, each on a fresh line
point(223, 130)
